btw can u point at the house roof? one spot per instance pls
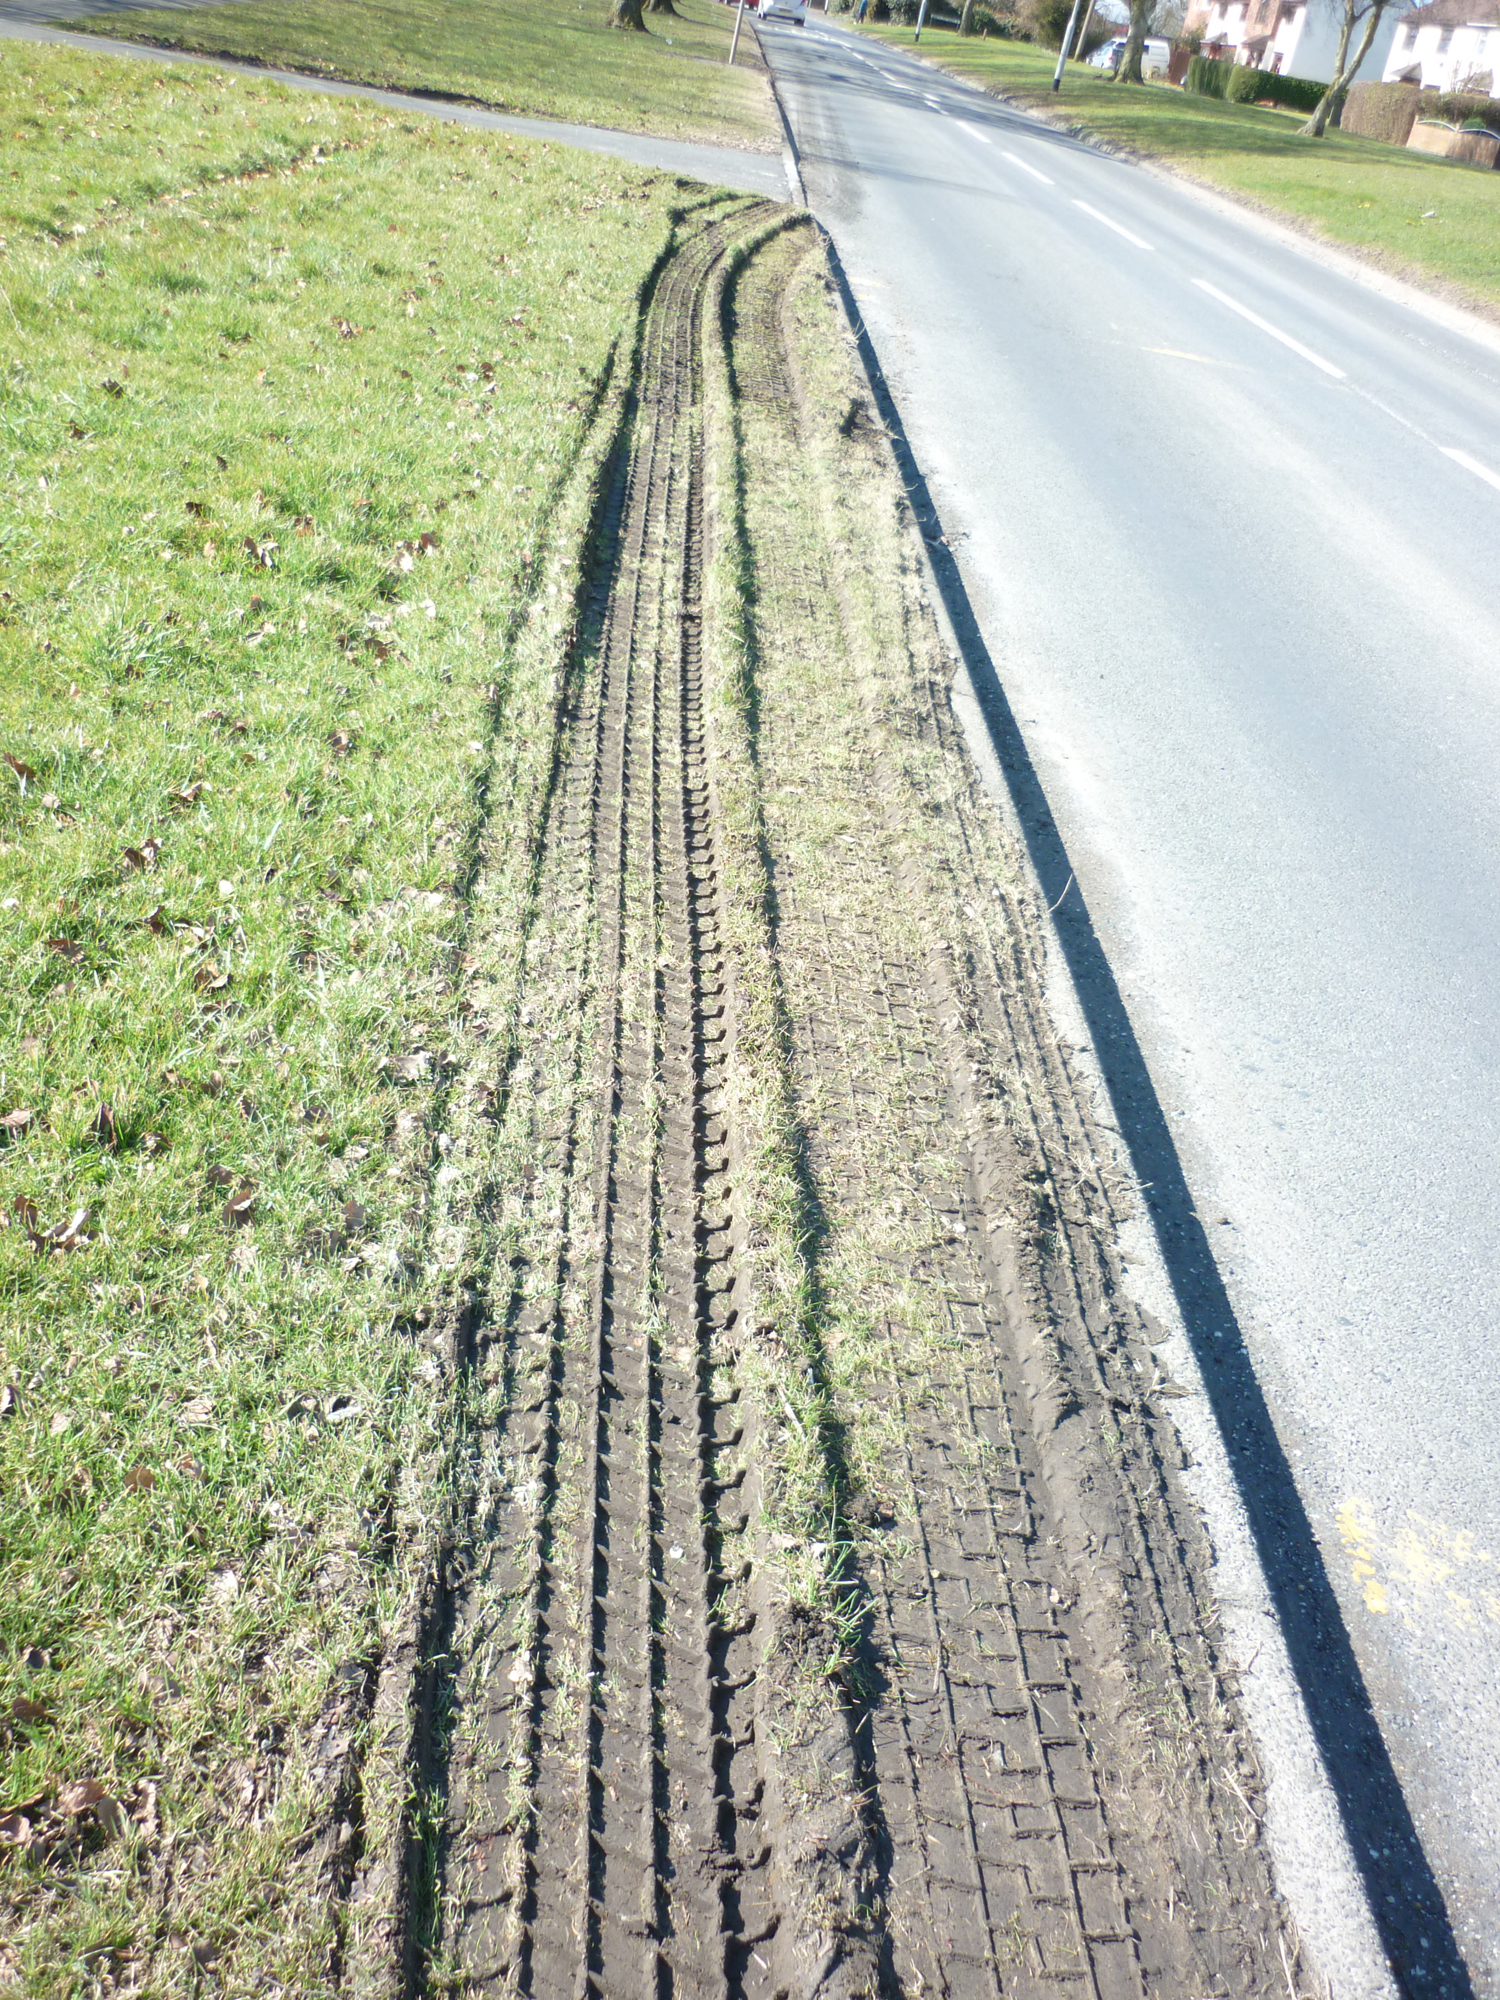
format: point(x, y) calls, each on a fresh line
point(1454, 14)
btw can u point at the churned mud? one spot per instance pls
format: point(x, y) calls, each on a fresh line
point(817, 1611)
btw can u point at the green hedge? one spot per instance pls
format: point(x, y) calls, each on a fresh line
point(1237, 83)
point(1384, 111)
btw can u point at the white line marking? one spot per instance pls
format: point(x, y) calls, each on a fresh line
point(1118, 227)
point(1471, 465)
point(1016, 161)
point(1274, 331)
point(972, 130)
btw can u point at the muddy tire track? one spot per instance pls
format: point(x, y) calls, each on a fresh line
point(601, 1832)
point(799, 1634)
point(1032, 1589)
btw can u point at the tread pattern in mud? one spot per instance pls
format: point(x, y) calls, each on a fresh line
point(1014, 1853)
point(606, 1830)
point(603, 1833)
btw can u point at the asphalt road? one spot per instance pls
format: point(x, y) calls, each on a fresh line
point(1223, 542)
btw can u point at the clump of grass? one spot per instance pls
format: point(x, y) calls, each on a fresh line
point(289, 389)
point(529, 56)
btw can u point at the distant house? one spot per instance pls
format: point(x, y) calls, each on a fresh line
point(1448, 45)
point(1292, 37)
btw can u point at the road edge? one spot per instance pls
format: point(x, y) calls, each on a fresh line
point(791, 159)
point(1308, 1843)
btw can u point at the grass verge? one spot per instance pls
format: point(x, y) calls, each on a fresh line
point(1423, 218)
point(290, 390)
point(524, 56)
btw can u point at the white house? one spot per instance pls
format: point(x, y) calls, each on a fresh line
point(1292, 37)
point(1449, 45)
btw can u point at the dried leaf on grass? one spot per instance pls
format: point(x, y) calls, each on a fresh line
point(24, 773)
point(63, 1236)
point(103, 1130)
point(15, 1122)
point(239, 1210)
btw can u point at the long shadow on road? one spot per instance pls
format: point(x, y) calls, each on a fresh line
point(1404, 1896)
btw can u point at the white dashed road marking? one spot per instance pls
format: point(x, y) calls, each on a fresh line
point(1266, 327)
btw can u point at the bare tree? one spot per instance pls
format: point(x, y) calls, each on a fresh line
point(1370, 13)
point(626, 14)
point(660, 7)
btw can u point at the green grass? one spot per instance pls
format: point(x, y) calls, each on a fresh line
point(1423, 217)
point(546, 58)
point(288, 392)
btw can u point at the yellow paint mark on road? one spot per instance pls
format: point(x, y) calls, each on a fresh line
point(1357, 1530)
point(1424, 1571)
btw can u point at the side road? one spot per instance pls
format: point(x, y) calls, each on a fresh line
point(718, 166)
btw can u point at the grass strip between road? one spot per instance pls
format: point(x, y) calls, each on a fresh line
point(1430, 220)
point(292, 391)
point(526, 56)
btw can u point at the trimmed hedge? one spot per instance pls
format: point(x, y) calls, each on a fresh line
point(1384, 111)
point(1387, 111)
point(1237, 83)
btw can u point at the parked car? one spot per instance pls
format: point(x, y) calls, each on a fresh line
point(794, 11)
point(1155, 56)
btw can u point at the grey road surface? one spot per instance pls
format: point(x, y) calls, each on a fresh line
point(1222, 537)
point(721, 166)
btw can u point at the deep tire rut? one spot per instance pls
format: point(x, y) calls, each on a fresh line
point(1029, 1600)
point(602, 1833)
point(732, 1708)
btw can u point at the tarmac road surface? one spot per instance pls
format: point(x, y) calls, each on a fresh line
point(1223, 535)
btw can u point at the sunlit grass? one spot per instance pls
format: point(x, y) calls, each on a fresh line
point(287, 391)
point(548, 58)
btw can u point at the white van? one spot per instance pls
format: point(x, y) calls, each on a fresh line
point(1155, 56)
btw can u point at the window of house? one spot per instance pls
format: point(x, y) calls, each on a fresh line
point(1445, 41)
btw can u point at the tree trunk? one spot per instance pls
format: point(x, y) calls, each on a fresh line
point(966, 22)
point(660, 7)
point(1344, 71)
point(1130, 62)
point(626, 14)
